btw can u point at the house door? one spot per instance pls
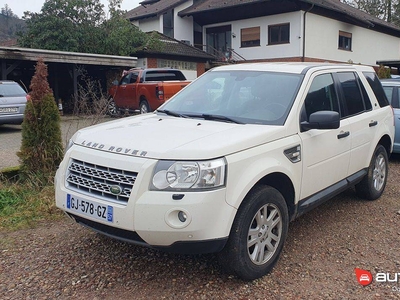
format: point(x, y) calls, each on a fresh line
point(218, 40)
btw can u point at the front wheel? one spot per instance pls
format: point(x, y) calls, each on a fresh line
point(112, 109)
point(373, 184)
point(257, 235)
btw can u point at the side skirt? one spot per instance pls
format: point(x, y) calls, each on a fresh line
point(317, 199)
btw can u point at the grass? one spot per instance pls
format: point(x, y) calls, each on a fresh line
point(22, 206)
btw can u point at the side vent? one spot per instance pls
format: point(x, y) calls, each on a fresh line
point(293, 154)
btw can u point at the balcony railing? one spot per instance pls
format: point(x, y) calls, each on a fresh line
point(228, 56)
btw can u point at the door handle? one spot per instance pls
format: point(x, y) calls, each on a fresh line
point(343, 135)
point(373, 123)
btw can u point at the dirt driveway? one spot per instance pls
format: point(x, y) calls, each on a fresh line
point(66, 261)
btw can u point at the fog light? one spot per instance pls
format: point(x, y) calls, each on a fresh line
point(182, 216)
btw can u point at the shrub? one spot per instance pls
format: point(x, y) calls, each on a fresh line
point(383, 72)
point(41, 150)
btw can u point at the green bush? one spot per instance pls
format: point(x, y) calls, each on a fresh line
point(41, 149)
point(383, 72)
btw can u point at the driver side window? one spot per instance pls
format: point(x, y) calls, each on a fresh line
point(126, 79)
point(321, 96)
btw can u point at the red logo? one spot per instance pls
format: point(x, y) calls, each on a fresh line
point(363, 277)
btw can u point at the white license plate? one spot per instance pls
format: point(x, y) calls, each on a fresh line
point(90, 208)
point(8, 109)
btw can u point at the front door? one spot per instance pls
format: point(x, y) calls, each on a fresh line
point(325, 153)
point(219, 41)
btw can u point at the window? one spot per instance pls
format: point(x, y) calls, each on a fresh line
point(353, 99)
point(344, 40)
point(126, 79)
point(321, 96)
point(250, 37)
point(376, 87)
point(389, 93)
point(279, 34)
point(393, 94)
point(168, 23)
point(164, 76)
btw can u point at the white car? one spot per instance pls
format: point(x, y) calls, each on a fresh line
point(230, 160)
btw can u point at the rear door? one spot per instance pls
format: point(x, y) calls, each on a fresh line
point(363, 120)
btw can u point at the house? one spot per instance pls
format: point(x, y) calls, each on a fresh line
point(271, 30)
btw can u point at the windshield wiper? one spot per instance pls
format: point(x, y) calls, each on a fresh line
point(220, 118)
point(172, 113)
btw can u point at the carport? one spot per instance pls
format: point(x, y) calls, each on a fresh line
point(390, 63)
point(64, 68)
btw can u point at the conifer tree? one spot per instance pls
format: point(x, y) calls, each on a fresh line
point(41, 149)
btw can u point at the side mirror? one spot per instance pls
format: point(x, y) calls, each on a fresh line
point(323, 119)
point(115, 82)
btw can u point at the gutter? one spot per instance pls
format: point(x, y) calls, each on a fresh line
point(304, 32)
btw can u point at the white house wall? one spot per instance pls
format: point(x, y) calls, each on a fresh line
point(151, 24)
point(368, 46)
point(265, 51)
point(183, 27)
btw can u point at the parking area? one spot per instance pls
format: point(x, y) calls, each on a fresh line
point(10, 137)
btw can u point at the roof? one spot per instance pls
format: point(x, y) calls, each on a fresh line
point(207, 7)
point(171, 47)
point(66, 57)
point(389, 63)
point(153, 9)
point(289, 67)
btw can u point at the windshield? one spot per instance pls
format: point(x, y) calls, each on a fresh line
point(250, 97)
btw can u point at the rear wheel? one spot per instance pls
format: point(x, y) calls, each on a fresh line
point(257, 235)
point(373, 184)
point(144, 107)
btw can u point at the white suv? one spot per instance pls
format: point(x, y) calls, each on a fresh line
point(231, 159)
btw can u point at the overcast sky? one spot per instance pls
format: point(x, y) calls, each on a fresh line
point(19, 6)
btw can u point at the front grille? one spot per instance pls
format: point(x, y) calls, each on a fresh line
point(105, 183)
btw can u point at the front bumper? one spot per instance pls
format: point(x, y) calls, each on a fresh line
point(151, 218)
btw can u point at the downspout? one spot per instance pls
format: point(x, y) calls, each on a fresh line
point(304, 32)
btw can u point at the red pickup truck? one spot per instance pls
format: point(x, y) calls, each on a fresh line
point(144, 89)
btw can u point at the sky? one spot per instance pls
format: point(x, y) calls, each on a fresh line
point(19, 6)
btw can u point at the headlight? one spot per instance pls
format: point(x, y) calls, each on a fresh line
point(184, 175)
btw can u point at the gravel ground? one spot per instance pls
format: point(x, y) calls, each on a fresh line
point(66, 261)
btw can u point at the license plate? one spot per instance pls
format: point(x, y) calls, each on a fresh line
point(8, 109)
point(90, 208)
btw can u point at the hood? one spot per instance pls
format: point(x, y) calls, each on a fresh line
point(166, 137)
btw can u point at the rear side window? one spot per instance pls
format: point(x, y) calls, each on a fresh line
point(164, 76)
point(353, 99)
point(11, 90)
point(376, 87)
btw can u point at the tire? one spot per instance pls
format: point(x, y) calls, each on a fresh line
point(112, 109)
point(266, 236)
point(144, 107)
point(373, 184)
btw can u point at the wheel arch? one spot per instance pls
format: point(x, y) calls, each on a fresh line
point(386, 142)
point(143, 98)
point(284, 185)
